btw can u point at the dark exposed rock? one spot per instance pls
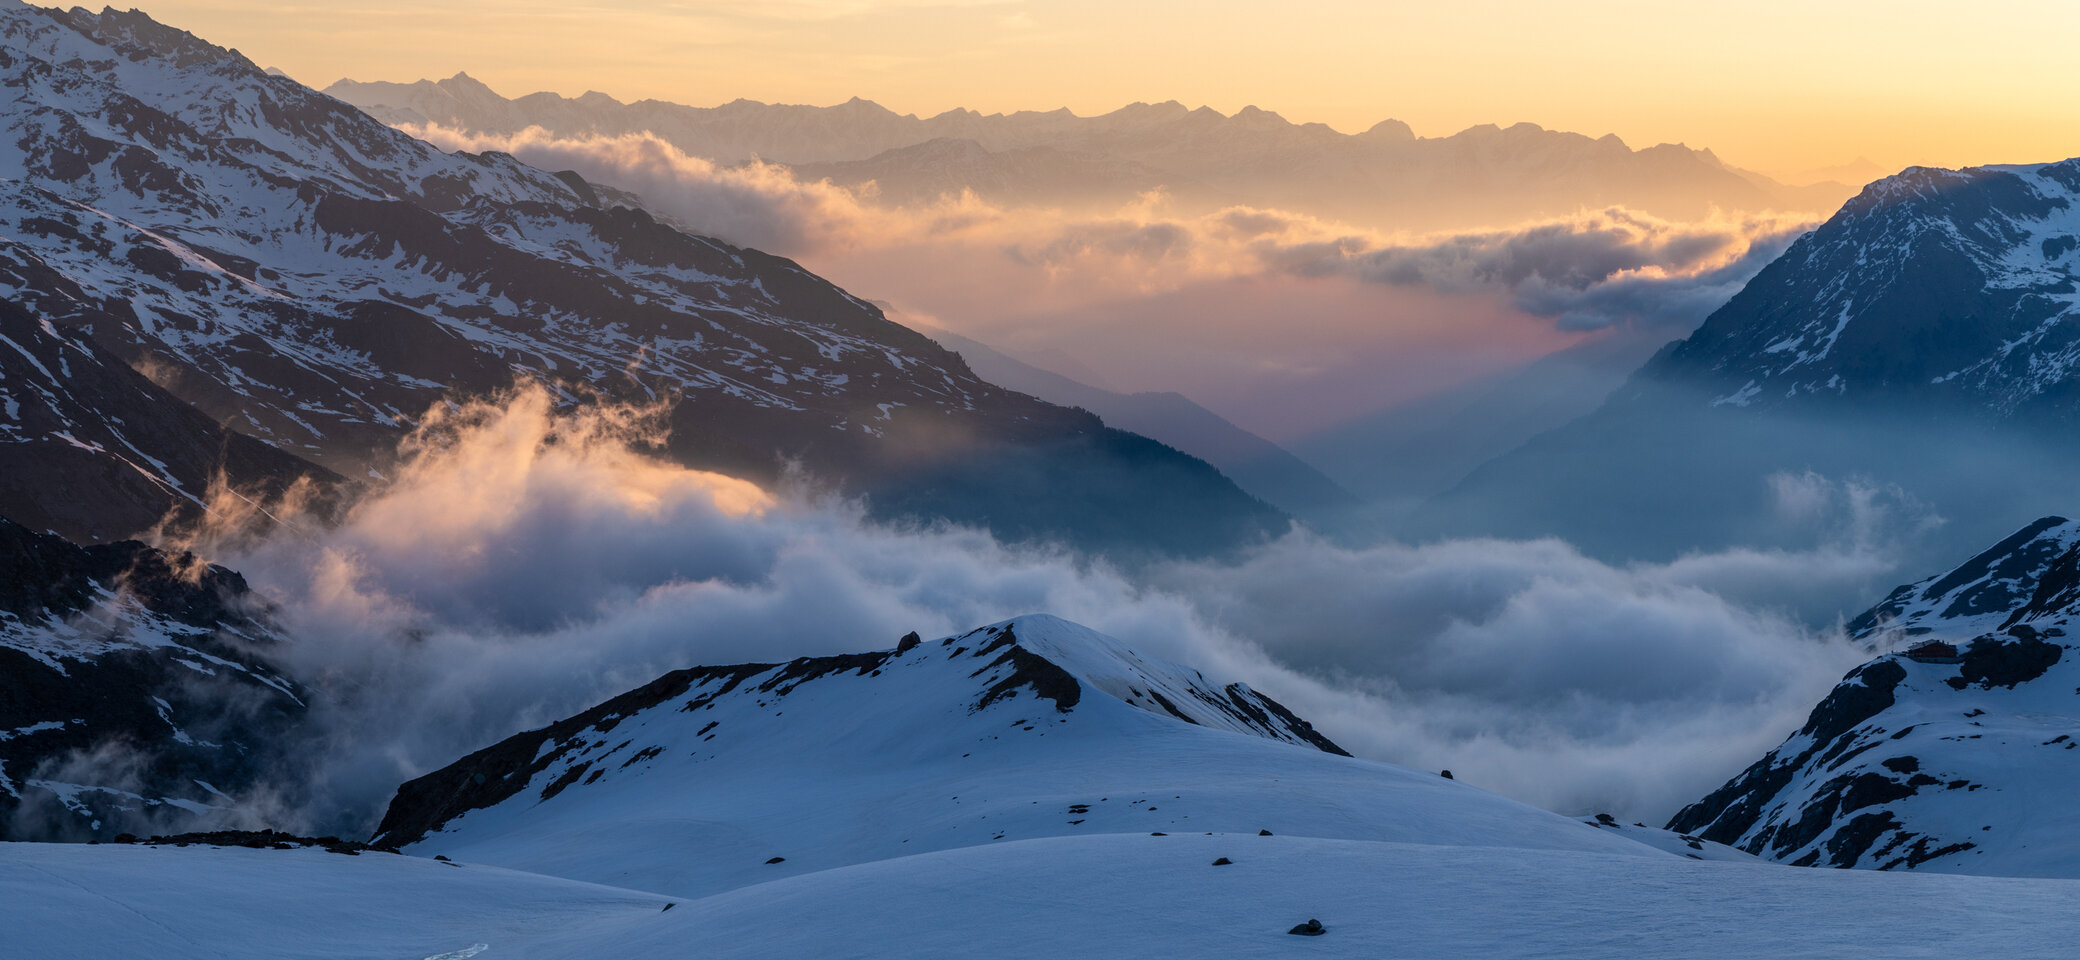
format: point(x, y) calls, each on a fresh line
point(491, 775)
point(1029, 671)
point(259, 840)
point(93, 451)
point(135, 723)
point(1991, 661)
point(1733, 811)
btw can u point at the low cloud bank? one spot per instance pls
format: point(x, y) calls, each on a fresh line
point(1589, 271)
point(526, 564)
point(1283, 323)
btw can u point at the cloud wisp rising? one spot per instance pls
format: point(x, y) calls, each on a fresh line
point(525, 564)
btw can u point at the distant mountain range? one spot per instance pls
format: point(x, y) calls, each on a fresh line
point(1949, 751)
point(313, 279)
point(1385, 176)
point(1924, 338)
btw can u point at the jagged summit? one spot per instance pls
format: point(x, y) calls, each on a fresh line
point(1931, 286)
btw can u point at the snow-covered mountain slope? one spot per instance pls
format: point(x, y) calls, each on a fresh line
point(1974, 599)
point(1034, 727)
point(1931, 287)
point(318, 280)
point(1257, 465)
point(1670, 841)
point(131, 696)
point(1111, 896)
point(1951, 753)
point(1480, 176)
point(92, 450)
point(1926, 337)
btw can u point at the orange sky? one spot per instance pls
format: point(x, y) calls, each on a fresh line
point(1774, 85)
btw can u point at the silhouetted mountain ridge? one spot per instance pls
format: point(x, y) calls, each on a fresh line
point(1385, 176)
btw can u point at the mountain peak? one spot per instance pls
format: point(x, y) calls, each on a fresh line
point(1005, 732)
point(1931, 286)
point(1389, 130)
point(1041, 668)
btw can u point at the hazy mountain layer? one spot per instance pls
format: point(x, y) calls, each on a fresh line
point(1255, 464)
point(1384, 176)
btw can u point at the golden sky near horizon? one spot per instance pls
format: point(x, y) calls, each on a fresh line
point(1780, 86)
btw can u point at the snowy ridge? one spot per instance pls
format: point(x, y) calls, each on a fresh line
point(1974, 599)
point(1951, 754)
point(1953, 286)
point(1153, 685)
point(694, 783)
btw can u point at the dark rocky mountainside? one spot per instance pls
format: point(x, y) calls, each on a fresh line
point(312, 278)
point(91, 450)
point(1933, 288)
point(135, 696)
point(1949, 752)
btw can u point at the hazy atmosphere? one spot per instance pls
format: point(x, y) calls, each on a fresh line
point(692, 469)
point(1793, 89)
